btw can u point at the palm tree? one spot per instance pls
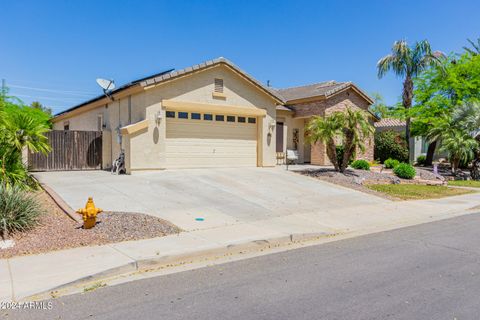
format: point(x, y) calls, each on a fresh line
point(475, 50)
point(356, 130)
point(459, 135)
point(407, 62)
point(326, 130)
point(467, 116)
point(351, 127)
point(460, 147)
point(26, 132)
point(18, 131)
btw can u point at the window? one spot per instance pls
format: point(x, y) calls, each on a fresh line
point(219, 118)
point(218, 85)
point(195, 116)
point(230, 118)
point(241, 119)
point(66, 125)
point(170, 114)
point(252, 120)
point(208, 116)
point(183, 115)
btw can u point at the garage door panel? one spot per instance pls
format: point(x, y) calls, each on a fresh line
point(200, 143)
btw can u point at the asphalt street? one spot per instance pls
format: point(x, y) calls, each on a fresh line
point(430, 271)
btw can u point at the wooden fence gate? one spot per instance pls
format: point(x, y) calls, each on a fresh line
point(71, 150)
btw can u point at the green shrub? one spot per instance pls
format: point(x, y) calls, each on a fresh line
point(340, 155)
point(390, 144)
point(421, 160)
point(361, 165)
point(19, 210)
point(391, 163)
point(405, 171)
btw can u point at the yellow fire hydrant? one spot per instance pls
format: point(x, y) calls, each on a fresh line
point(89, 214)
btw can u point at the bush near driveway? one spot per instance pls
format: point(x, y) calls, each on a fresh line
point(19, 210)
point(405, 171)
point(361, 165)
point(391, 163)
point(417, 191)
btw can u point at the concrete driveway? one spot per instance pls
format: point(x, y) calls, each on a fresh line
point(220, 196)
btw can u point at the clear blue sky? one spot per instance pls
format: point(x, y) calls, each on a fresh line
point(65, 45)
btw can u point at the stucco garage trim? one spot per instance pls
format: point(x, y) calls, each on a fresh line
point(134, 127)
point(205, 107)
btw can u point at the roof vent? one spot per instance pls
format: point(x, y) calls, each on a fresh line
point(218, 85)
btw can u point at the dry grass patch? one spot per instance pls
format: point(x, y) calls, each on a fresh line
point(416, 191)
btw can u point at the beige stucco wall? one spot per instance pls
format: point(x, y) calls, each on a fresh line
point(107, 149)
point(85, 121)
point(146, 149)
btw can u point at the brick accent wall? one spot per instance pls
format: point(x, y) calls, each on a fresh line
point(318, 154)
point(368, 154)
point(339, 102)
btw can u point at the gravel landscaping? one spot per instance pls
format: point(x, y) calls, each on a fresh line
point(352, 178)
point(360, 179)
point(58, 231)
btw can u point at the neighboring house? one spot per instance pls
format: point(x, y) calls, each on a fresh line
point(419, 145)
point(209, 115)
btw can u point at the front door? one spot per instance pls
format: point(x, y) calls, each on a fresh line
point(279, 139)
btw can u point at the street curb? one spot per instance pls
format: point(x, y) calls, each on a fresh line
point(161, 262)
point(61, 203)
point(217, 253)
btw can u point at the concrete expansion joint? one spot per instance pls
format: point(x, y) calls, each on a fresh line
point(124, 254)
point(11, 279)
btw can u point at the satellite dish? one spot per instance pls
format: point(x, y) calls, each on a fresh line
point(106, 85)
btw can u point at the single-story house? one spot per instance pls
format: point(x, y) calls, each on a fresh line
point(209, 115)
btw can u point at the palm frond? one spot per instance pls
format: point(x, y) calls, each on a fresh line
point(467, 116)
point(397, 61)
point(476, 47)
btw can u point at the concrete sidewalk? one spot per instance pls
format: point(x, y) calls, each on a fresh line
point(26, 276)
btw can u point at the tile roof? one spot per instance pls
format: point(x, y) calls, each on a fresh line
point(282, 96)
point(313, 90)
point(117, 90)
point(284, 108)
point(170, 74)
point(389, 122)
point(178, 73)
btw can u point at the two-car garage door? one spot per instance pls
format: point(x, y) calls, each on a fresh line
point(210, 140)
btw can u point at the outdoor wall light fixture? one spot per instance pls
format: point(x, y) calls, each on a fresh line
point(271, 125)
point(158, 117)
